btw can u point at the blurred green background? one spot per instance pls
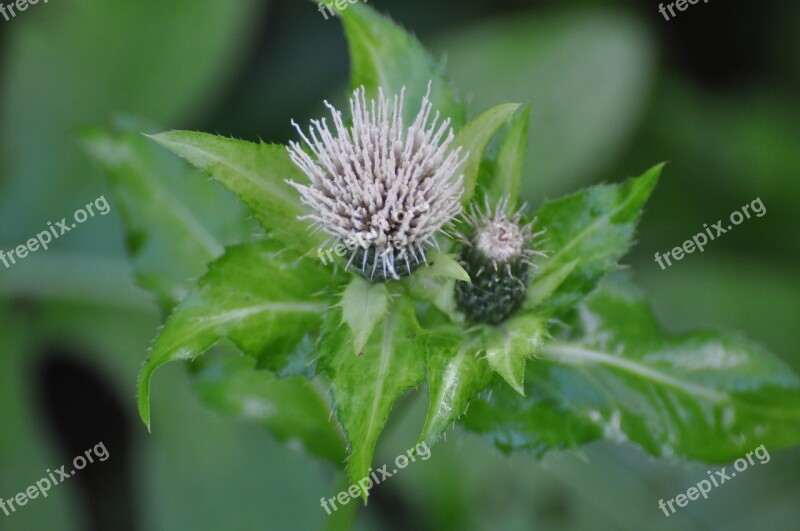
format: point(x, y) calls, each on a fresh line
point(614, 88)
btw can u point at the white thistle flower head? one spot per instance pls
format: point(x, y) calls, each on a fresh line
point(381, 189)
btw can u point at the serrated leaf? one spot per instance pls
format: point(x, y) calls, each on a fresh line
point(176, 221)
point(261, 296)
point(257, 173)
point(365, 387)
point(291, 408)
point(594, 226)
point(509, 344)
point(384, 55)
point(474, 137)
point(364, 305)
point(701, 395)
point(456, 373)
point(509, 166)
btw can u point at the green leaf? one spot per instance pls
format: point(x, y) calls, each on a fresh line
point(176, 221)
point(510, 163)
point(594, 226)
point(545, 285)
point(260, 296)
point(291, 408)
point(384, 55)
point(475, 136)
point(509, 344)
point(364, 305)
point(456, 373)
point(257, 173)
point(701, 395)
point(436, 284)
point(443, 266)
point(365, 387)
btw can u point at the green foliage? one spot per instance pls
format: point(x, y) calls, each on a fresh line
point(594, 226)
point(291, 408)
point(700, 395)
point(364, 305)
point(257, 173)
point(572, 365)
point(456, 373)
point(511, 343)
point(384, 55)
point(175, 222)
point(474, 138)
point(507, 172)
point(261, 296)
point(366, 384)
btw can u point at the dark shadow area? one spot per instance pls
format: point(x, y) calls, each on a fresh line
point(84, 415)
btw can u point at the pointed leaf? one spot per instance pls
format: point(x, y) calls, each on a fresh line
point(384, 55)
point(594, 226)
point(508, 169)
point(365, 387)
point(260, 296)
point(511, 343)
point(257, 173)
point(456, 373)
point(364, 305)
point(176, 221)
point(474, 137)
point(701, 395)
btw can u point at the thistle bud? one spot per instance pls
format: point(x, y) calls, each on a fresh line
point(497, 256)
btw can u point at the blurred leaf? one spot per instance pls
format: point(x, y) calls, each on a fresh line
point(702, 395)
point(385, 55)
point(176, 221)
point(260, 296)
point(293, 411)
point(585, 73)
point(507, 174)
point(366, 386)
point(43, 101)
point(594, 226)
point(456, 373)
point(256, 173)
point(474, 137)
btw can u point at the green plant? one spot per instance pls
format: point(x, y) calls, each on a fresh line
point(577, 359)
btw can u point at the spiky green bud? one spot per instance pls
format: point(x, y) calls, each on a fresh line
point(497, 257)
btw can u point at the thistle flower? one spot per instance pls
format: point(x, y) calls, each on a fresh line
point(497, 256)
point(382, 190)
